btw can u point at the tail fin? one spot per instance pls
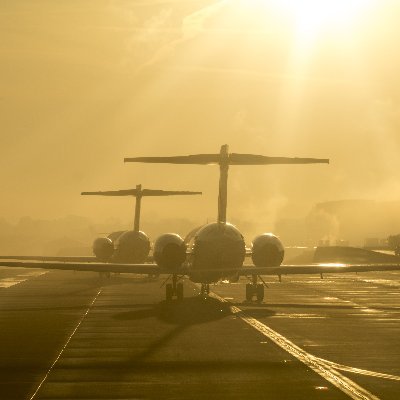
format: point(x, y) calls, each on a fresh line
point(224, 159)
point(138, 192)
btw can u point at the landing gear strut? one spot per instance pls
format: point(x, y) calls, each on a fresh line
point(255, 289)
point(174, 289)
point(205, 289)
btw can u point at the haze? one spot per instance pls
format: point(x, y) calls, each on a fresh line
point(86, 83)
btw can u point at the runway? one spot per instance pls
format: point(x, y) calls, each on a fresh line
point(67, 335)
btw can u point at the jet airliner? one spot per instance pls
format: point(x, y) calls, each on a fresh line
point(217, 250)
point(132, 246)
point(129, 246)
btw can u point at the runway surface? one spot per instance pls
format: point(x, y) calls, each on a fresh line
point(66, 335)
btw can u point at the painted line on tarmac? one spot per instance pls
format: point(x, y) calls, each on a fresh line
point(66, 344)
point(360, 371)
point(15, 280)
point(381, 282)
point(321, 367)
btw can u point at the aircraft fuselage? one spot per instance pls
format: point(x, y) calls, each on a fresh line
point(217, 251)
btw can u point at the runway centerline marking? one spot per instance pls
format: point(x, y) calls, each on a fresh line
point(320, 366)
point(66, 344)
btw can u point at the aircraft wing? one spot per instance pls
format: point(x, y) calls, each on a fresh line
point(93, 267)
point(72, 259)
point(52, 258)
point(316, 269)
point(244, 271)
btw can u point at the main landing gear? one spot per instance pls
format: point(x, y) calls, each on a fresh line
point(174, 289)
point(255, 289)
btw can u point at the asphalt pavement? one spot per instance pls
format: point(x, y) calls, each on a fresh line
point(67, 335)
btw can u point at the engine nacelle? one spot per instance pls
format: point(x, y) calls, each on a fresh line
point(169, 251)
point(267, 251)
point(103, 249)
point(132, 247)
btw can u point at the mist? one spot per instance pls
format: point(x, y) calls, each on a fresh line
point(85, 84)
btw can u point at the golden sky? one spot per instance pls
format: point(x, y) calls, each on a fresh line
point(86, 83)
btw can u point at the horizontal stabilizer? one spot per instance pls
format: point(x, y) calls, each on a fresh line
point(231, 159)
point(254, 159)
point(191, 159)
point(144, 192)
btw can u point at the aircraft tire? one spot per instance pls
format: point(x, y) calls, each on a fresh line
point(179, 291)
point(249, 292)
point(260, 292)
point(168, 292)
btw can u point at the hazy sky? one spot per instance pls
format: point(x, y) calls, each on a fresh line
point(84, 84)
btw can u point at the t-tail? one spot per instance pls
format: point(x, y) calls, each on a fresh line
point(224, 159)
point(138, 193)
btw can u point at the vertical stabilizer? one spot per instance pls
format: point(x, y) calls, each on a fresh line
point(138, 203)
point(223, 184)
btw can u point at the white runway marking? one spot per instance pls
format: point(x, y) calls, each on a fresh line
point(65, 345)
point(323, 368)
point(382, 282)
point(361, 371)
point(15, 280)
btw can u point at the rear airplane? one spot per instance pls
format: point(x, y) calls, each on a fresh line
point(216, 250)
point(131, 246)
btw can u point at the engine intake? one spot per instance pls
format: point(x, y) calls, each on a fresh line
point(267, 251)
point(103, 249)
point(169, 251)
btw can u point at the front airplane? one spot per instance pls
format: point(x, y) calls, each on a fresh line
point(217, 250)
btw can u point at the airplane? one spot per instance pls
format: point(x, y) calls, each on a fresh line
point(132, 246)
point(216, 251)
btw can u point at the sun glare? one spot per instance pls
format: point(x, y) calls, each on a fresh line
point(311, 17)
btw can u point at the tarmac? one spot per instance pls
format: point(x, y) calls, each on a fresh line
point(70, 335)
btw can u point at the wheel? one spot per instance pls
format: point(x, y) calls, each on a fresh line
point(260, 292)
point(168, 292)
point(179, 291)
point(249, 292)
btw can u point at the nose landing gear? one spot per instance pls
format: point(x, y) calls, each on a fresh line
point(255, 289)
point(174, 289)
